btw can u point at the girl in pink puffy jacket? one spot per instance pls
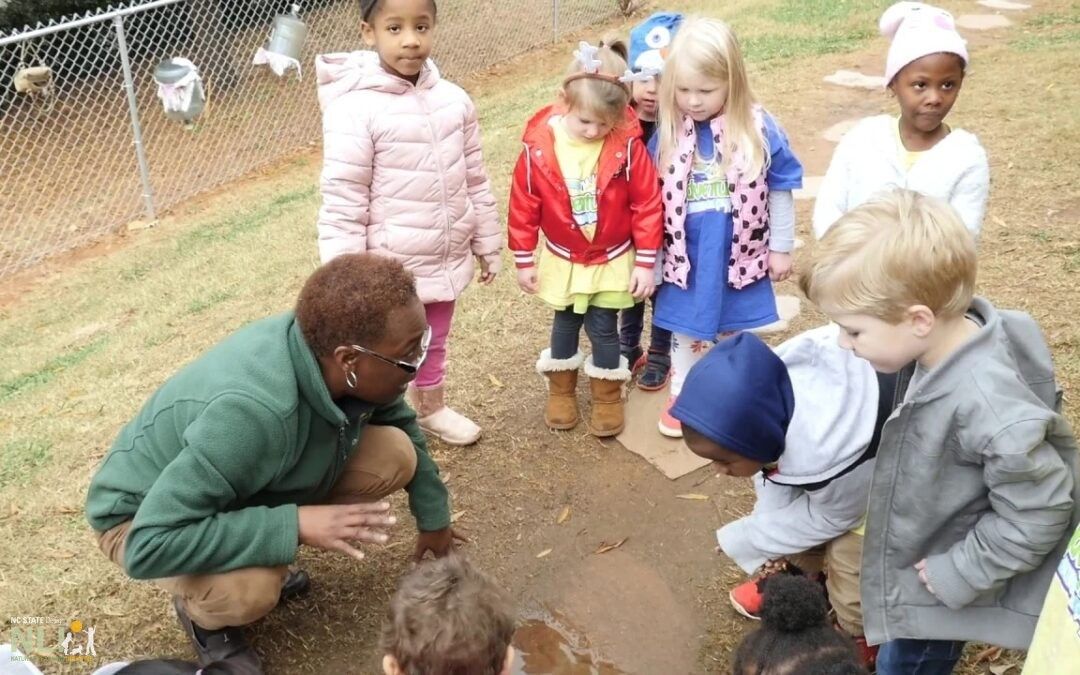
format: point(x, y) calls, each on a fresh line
point(403, 175)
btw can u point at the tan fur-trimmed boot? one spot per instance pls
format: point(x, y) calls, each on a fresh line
point(437, 419)
point(561, 410)
point(606, 384)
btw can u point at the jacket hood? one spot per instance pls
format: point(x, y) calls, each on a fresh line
point(343, 72)
point(536, 130)
point(1024, 341)
point(836, 402)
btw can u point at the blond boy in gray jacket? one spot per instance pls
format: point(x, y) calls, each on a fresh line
point(975, 486)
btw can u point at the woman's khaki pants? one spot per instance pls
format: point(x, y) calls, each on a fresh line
point(384, 462)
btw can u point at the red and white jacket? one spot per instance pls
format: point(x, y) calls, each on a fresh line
point(629, 210)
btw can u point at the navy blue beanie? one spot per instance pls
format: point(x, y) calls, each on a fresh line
point(739, 395)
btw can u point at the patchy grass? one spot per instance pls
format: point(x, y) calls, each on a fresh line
point(822, 13)
point(20, 460)
point(44, 374)
point(81, 351)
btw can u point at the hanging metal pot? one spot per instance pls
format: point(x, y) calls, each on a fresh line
point(288, 36)
point(285, 46)
point(180, 89)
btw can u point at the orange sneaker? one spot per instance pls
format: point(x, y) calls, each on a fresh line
point(668, 425)
point(748, 596)
point(867, 653)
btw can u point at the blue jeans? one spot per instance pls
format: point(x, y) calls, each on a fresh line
point(602, 327)
point(631, 326)
point(918, 657)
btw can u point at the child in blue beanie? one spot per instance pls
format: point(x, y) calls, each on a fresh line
point(649, 44)
point(805, 416)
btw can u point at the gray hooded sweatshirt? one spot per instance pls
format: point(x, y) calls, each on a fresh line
point(977, 473)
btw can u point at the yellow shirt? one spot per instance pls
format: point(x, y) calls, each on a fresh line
point(563, 283)
point(577, 162)
point(908, 157)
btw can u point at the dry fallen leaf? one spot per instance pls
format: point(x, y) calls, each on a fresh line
point(564, 515)
point(988, 654)
point(694, 496)
point(495, 381)
point(605, 547)
point(456, 515)
point(1002, 669)
point(544, 553)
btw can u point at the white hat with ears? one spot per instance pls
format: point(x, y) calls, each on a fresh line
point(918, 30)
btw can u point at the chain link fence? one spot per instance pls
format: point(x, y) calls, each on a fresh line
point(94, 151)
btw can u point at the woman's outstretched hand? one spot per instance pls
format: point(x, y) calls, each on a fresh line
point(333, 526)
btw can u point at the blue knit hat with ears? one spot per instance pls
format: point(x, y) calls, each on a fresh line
point(739, 395)
point(651, 39)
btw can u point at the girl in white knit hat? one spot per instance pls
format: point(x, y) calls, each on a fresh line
point(916, 150)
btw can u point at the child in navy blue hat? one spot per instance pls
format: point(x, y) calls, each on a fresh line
point(806, 415)
point(736, 405)
point(649, 43)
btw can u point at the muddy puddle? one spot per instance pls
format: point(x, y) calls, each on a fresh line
point(548, 645)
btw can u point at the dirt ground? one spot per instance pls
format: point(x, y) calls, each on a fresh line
point(83, 341)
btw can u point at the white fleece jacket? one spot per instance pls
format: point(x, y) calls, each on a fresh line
point(867, 161)
point(836, 405)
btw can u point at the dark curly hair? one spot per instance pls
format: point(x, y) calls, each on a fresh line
point(368, 8)
point(349, 299)
point(795, 634)
point(448, 617)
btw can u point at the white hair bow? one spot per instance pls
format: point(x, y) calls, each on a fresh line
point(586, 56)
point(643, 75)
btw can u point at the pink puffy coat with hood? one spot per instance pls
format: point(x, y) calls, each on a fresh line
point(403, 173)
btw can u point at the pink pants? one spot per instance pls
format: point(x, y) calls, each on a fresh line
point(433, 371)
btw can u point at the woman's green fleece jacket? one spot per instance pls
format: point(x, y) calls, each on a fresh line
point(214, 467)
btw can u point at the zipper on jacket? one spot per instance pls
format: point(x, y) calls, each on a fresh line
point(442, 187)
point(343, 443)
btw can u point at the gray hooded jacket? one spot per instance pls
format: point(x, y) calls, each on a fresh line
point(977, 473)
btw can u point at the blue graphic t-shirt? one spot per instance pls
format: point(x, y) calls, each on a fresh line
point(709, 306)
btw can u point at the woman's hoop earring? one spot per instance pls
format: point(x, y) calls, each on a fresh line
point(350, 378)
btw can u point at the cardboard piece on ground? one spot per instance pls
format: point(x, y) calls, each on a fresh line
point(982, 21)
point(669, 455)
point(810, 187)
point(856, 80)
point(1003, 4)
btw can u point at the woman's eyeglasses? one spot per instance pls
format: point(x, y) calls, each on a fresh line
point(409, 367)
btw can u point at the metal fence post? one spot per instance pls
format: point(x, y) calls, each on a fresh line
point(554, 20)
point(136, 127)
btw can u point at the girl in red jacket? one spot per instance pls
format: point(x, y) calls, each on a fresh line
point(585, 180)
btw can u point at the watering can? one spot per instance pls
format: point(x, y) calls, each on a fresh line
point(180, 89)
point(287, 38)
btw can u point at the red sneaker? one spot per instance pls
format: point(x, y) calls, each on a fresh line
point(867, 653)
point(668, 425)
point(748, 596)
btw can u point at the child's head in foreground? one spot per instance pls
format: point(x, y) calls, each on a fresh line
point(736, 405)
point(796, 637)
point(447, 617)
point(897, 274)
